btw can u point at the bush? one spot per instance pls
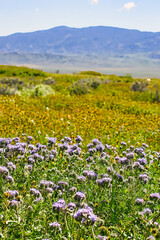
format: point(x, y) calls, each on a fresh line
point(139, 86)
point(83, 86)
point(39, 91)
point(50, 81)
point(11, 82)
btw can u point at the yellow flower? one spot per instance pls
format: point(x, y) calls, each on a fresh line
point(7, 195)
point(19, 197)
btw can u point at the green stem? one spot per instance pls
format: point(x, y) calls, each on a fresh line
point(93, 234)
point(65, 220)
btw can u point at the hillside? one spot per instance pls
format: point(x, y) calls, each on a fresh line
point(91, 40)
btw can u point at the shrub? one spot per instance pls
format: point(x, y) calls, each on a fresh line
point(39, 91)
point(12, 81)
point(50, 81)
point(139, 86)
point(42, 91)
point(83, 86)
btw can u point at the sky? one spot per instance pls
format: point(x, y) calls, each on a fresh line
point(33, 15)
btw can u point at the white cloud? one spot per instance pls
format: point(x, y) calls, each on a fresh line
point(128, 6)
point(36, 9)
point(94, 1)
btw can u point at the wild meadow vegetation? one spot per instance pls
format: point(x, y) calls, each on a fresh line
point(79, 156)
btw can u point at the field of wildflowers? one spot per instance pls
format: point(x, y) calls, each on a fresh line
point(81, 161)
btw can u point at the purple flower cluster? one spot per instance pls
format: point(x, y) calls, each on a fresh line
point(146, 211)
point(51, 141)
point(104, 181)
point(90, 174)
point(78, 139)
point(4, 171)
point(59, 205)
point(71, 206)
point(14, 204)
point(12, 193)
point(5, 141)
point(45, 184)
point(79, 196)
point(35, 192)
point(142, 161)
point(55, 225)
point(85, 216)
point(11, 166)
point(154, 196)
point(143, 178)
point(139, 201)
point(81, 178)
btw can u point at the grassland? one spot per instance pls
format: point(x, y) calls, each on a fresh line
point(126, 126)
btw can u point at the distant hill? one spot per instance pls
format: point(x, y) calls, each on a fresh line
point(90, 40)
point(98, 47)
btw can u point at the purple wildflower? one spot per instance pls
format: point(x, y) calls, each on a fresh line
point(63, 184)
point(154, 196)
point(79, 196)
point(102, 237)
point(12, 193)
point(71, 206)
point(40, 199)
point(92, 218)
point(4, 171)
point(92, 150)
point(91, 175)
point(130, 155)
point(85, 216)
point(90, 145)
point(81, 178)
point(13, 204)
point(144, 145)
point(78, 139)
point(123, 160)
point(124, 144)
point(95, 141)
point(73, 189)
point(43, 183)
point(104, 181)
point(143, 177)
point(63, 146)
point(109, 170)
point(89, 159)
point(151, 238)
point(31, 160)
point(59, 205)
point(29, 138)
point(139, 201)
point(49, 190)
point(28, 167)
point(52, 141)
point(142, 161)
point(100, 147)
point(35, 192)
point(147, 211)
point(67, 139)
point(11, 166)
point(10, 179)
point(55, 225)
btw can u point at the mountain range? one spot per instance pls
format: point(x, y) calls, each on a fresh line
point(99, 46)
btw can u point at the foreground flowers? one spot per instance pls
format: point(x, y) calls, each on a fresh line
point(61, 185)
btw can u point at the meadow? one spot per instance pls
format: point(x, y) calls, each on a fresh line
point(79, 156)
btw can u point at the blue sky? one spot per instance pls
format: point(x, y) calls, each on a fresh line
point(32, 15)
